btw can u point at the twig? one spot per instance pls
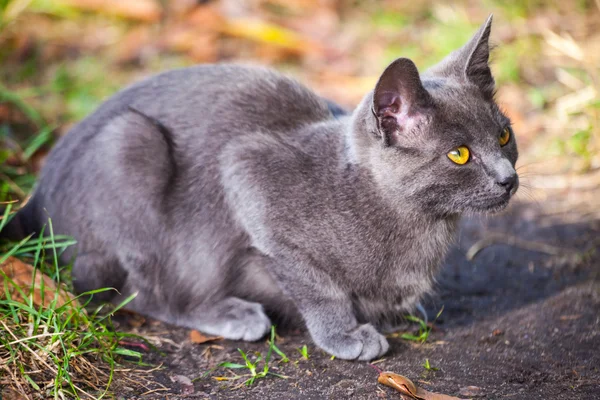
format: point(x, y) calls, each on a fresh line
point(379, 370)
point(84, 392)
point(21, 389)
point(32, 337)
point(499, 238)
point(154, 391)
point(29, 349)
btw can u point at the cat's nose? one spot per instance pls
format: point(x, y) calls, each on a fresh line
point(509, 182)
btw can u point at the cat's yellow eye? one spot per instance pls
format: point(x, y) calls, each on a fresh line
point(459, 155)
point(504, 137)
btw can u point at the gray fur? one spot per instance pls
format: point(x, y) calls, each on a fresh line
point(216, 192)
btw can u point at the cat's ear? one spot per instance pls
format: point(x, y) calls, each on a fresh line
point(398, 99)
point(470, 62)
point(477, 69)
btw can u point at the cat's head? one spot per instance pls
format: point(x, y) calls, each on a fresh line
point(438, 140)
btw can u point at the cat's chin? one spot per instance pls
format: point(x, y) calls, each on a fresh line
point(496, 208)
point(491, 207)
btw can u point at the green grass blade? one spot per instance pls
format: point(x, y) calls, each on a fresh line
point(43, 137)
point(6, 217)
point(232, 365)
point(14, 249)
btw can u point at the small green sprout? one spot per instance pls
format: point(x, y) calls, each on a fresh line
point(428, 366)
point(304, 351)
point(424, 328)
point(253, 366)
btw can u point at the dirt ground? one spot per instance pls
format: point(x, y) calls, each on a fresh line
point(517, 323)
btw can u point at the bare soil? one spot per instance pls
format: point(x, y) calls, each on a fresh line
point(517, 324)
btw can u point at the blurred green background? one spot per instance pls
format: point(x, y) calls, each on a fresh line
point(60, 58)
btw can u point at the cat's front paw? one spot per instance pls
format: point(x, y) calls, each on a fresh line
point(363, 343)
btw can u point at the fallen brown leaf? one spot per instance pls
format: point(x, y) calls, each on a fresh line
point(22, 276)
point(408, 390)
point(401, 383)
point(197, 337)
point(425, 395)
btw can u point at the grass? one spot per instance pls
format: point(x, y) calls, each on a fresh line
point(428, 366)
point(304, 352)
point(51, 347)
point(16, 174)
point(424, 328)
point(256, 372)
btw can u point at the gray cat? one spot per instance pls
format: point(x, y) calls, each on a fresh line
point(221, 194)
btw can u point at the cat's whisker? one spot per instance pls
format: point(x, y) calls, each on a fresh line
point(526, 186)
point(524, 175)
point(527, 193)
point(527, 165)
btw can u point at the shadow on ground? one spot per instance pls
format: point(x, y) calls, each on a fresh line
point(516, 324)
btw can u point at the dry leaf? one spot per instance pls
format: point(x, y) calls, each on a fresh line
point(206, 18)
point(143, 10)
point(200, 45)
point(22, 276)
point(197, 337)
point(408, 389)
point(425, 395)
point(204, 49)
point(398, 382)
point(132, 44)
point(271, 34)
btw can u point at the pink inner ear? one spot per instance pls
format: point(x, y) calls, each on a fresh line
point(390, 108)
point(395, 117)
point(388, 104)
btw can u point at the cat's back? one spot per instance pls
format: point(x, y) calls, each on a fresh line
point(217, 98)
point(227, 97)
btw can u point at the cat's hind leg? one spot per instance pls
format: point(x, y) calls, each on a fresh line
point(92, 271)
point(230, 317)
